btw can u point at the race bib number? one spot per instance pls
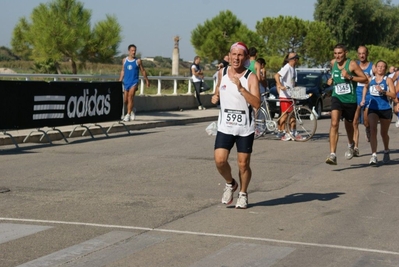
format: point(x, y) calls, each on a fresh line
point(342, 89)
point(374, 91)
point(235, 117)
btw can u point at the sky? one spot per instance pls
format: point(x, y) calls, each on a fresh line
point(152, 24)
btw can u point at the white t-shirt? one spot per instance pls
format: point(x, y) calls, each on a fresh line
point(193, 70)
point(288, 78)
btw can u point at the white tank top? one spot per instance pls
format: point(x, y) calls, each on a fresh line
point(235, 116)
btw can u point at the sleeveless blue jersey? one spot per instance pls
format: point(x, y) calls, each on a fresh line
point(367, 71)
point(131, 73)
point(359, 89)
point(377, 101)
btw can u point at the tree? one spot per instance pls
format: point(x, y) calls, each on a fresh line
point(356, 22)
point(318, 44)
point(311, 40)
point(213, 39)
point(20, 41)
point(102, 43)
point(60, 30)
point(282, 35)
point(6, 54)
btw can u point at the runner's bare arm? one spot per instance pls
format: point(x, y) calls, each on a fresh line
point(360, 76)
point(391, 92)
point(122, 71)
point(143, 72)
point(252, 95)
point(215, 97)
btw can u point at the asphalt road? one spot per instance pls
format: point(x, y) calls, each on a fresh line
point(152, 198)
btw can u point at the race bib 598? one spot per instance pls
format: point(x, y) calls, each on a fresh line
point(235, 117)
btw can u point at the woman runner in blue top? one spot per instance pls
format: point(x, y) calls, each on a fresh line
point(381, 88)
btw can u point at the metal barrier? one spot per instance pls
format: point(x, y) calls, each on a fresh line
point(79, 77)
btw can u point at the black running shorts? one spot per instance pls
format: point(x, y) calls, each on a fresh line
point(348, 109)
point(243, 143)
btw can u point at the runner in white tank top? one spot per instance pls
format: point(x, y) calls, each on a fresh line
point(238, 94)
point(235, 116)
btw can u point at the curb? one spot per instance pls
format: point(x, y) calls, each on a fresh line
point(38, 136)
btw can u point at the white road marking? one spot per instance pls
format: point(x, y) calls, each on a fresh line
point(10, 232)
point(99, 251)
point(244, 254)
point(208, 234)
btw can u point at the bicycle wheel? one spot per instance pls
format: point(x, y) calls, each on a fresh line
point(260, 122)
point(305, 122)
point(271, 125)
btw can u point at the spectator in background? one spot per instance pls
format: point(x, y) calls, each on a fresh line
point(224, 63)
point(285, 80)
point(254, 65)
point(197, 76)
point(281, 128)
point(262, 77)
point(221, 65)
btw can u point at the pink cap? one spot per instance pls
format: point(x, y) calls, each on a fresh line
point(240, 45)
point(244, 47)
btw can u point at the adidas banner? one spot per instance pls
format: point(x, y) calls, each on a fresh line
point(37, 104)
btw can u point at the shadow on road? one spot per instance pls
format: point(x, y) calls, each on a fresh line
point(298, 198)
point(27, 147)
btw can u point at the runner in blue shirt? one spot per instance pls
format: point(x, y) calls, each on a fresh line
point(130, 78)
point(381, 89)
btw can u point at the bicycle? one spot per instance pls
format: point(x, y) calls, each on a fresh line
point(306, 120)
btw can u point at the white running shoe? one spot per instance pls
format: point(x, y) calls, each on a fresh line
point(331, 159)
point(242, 201)
point(298, 137)
point(133, 114)
point(280, 134)
point(286, 137)
point(373, 160)
point(126, 118)
point(229, 192)
point(350, 152)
